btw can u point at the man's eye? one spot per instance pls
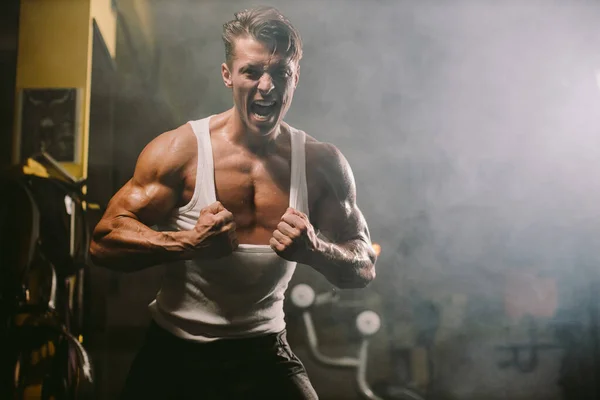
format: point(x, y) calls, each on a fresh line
point(253, 73)
point(284, 73)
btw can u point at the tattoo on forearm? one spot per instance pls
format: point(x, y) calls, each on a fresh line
point(346, 263)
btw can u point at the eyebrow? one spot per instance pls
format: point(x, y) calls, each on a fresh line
point(282, 64)
point(250, 66)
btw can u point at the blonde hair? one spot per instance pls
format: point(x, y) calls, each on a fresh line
point(267, 25)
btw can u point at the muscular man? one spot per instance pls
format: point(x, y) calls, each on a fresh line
point(236, 200)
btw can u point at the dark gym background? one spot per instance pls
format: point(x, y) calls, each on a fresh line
point(473, 130)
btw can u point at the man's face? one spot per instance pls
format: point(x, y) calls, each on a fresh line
point(263, 84)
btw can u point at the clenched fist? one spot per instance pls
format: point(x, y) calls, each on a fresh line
point(214, 234)
point(295, 238)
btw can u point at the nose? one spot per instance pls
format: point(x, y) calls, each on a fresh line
point(265, 84)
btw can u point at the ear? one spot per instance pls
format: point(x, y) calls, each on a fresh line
point(297, 77)
point(226, 74)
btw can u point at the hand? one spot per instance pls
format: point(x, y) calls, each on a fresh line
point(214, 233)
point(295, 238)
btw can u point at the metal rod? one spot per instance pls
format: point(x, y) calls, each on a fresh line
point(313, 345)
point(361, 373)
point(72, 230)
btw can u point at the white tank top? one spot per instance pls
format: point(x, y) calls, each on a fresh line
point(240, 295)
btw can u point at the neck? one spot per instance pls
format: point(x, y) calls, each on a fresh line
point(237, 132)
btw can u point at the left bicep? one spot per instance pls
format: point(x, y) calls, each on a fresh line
point(342, 223)
point(336, 214)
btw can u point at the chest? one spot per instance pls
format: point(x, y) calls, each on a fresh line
point(255, 190)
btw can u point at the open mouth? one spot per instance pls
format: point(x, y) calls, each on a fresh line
point(262, 110)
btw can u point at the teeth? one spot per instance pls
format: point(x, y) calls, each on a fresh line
point(264, 103)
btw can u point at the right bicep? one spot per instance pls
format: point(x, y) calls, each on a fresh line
point(147, 202)
point(152, 193)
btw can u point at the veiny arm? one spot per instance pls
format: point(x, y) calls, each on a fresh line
point(123, 239)
point(346, 258)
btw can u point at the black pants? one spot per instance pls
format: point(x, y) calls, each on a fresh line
point(264, 367)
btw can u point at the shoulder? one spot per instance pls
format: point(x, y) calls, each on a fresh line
point(168, 153)
point(176, 143)
point(328, 165)
point(320, 154)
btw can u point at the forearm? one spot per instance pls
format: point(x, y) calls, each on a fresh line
point(346, 265)
point(125, 244)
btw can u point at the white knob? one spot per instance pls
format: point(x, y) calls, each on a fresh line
point(302, 295)
point(368, 323)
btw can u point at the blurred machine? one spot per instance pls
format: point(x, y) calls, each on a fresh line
point(44, 239)
point(367, 323)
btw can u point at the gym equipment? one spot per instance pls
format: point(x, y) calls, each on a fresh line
point(48, 361)
point(44, 239)
point(367, 323)
point(523, 356)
